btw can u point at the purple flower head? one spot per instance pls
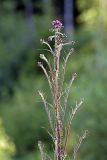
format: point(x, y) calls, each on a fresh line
point(57, 24)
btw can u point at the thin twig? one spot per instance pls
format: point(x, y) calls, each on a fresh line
point(50, 38)
point(67, 94)
point(64, 68)
point(49, 133)
point(47, 110)
point(44, 50)
point(48, 157)
point(42, 56)
point(43, 155)
point(48, 78)
point(69, 43)
point(44, 42)
point(70, 122)
point(77, 147)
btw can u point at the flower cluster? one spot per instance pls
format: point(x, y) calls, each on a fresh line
point(57, 23)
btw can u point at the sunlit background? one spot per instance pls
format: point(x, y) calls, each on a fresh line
point(22, 117)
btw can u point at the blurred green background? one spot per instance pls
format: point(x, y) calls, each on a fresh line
point(22, 115)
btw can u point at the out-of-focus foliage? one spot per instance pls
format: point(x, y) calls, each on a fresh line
point(91, 85)
point(93, 13)
point(14, 47)
point(18, 38)
point(7, 147)
point(23, 115)
point(26, 120)
point(90, 64)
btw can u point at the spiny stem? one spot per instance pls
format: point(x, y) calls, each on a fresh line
point(57, 102)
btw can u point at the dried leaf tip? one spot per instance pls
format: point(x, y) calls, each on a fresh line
point(43, 57)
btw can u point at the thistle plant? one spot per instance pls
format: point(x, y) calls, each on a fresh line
point(56, 111)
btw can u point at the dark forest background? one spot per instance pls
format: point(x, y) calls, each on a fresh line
point(22, 117)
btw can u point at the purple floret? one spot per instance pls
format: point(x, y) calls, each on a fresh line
point(56, 23)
